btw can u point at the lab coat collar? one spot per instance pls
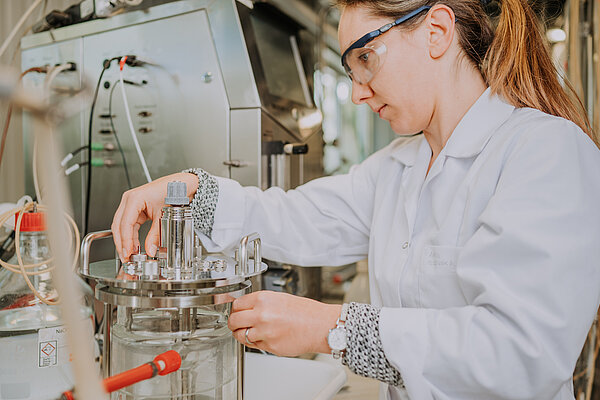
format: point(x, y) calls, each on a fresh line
point(406, 151)
point(478, 125)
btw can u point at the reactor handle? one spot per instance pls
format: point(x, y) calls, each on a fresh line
point(242, 255)
point(85, 248)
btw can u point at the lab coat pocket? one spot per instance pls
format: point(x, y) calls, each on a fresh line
point(438, 282)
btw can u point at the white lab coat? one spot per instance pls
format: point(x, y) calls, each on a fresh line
point(487, 269)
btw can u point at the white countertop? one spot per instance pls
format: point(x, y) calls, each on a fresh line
point(270, 377)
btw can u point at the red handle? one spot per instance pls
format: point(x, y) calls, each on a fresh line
point(162, 364)
point(128, 378)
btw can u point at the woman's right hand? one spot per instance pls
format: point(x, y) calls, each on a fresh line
point(139, 205)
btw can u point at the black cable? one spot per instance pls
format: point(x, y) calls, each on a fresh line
point(112, 126)
point(71, 155)
point(78, 150)
point(105, 66)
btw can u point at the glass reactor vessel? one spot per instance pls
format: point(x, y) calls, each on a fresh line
point(180, 300)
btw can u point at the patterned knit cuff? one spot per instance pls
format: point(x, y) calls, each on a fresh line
point(204, 203)
point(364, 351)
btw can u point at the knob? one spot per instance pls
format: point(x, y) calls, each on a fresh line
point(177, 194)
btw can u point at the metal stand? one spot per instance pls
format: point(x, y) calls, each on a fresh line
point(241, 359)
point(106, 345)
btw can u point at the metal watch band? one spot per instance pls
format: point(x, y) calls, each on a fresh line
point(340, 324)
point(344, 312)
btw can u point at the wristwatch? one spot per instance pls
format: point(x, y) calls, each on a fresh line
point(337, 337)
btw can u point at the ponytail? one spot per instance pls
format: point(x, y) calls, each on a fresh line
point(518, 67)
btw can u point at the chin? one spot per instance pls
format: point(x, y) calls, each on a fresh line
point(403, 130)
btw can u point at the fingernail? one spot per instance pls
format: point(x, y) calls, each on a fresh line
point(123, 252)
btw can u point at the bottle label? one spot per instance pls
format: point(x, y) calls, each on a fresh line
point(52, 346)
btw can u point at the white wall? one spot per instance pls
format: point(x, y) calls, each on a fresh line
point(11, 170)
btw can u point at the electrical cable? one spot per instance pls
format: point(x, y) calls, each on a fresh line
point(10, 110)
point(130, 121)
point(52, 74)
point(105, 66)
point(75, 167)
point(18, 26)
point(72, 154)
point(112, 126)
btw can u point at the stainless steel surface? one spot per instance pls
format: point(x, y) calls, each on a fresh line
point(241, 360)
point(232, 271)
point(170, 299)
point(86, 245)
point(177, 241)
point(243, 256)
point(108, 320)
point(246, 145)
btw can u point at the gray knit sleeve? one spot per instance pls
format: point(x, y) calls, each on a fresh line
point(364, 351)
point(204, 203)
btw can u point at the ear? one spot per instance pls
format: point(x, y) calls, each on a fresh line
point(440, 23)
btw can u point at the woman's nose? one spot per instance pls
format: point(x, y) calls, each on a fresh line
point(360, 93)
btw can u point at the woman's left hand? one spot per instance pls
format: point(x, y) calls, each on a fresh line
point(283, 324)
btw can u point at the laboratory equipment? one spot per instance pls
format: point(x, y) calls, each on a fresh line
point(238, 104)
point(35, 362)
point(179, 301)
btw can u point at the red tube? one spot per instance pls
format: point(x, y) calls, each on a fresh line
point(129, 377)
point(162, 364)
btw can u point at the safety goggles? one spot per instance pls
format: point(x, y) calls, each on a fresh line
point(363, 59)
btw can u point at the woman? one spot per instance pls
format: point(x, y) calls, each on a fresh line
point(480, 232)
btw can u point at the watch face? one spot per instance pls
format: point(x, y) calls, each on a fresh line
point(337, 339)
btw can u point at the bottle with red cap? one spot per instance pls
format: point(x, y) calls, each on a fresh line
point(34, 359)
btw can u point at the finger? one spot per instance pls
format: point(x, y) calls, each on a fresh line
point(132, 214)
point(253, 342)
point(136, 238)
point(116, 228)
point(246, 302)
point(151, 244)
point(241, 319)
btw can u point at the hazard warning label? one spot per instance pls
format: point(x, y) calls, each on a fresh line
point(48, 353)
point(52, 344)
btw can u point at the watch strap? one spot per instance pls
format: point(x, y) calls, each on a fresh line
point(340, 325)
point(344, 313)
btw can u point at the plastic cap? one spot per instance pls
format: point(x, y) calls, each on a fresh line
point(177, 194)
point(171, 360)
point(32, 222)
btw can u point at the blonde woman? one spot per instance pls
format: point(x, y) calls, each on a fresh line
point(481, 233)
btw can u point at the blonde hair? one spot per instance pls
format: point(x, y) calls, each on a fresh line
point(514, 60)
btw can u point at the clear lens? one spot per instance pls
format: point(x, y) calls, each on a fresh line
point(363, 63)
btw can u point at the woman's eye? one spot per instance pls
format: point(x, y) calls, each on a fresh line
point(364, 57)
